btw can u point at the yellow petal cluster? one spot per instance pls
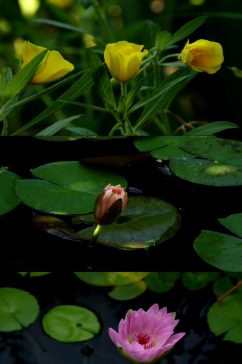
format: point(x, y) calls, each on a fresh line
point(53, 66)
point(203, 56)
point(63, 4)
point(123, 59)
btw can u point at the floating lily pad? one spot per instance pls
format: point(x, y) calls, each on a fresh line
point(225, 317)
point(111, 278)
point(124, 293)
point(217, 149)
point(162, 281)
point(8, 197)
point(144, 222)
point(69, 323)
point(18, 309)
point(205, 172)
point(233, 223)
point(220, 250)
point(65, 187)
point(164, 147)
point(198, 280)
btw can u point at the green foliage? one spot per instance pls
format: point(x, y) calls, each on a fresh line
point(69, 324)
point(65, 188)
point(225, 317)
point(8, 197)
point(18, 309)
point(145, 221)
point(111, 278)
point(34, 274)
point(128, 292)
point(198, 280)
point(161, 281)
point(221, 250)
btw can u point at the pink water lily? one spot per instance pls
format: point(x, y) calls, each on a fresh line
point(144, 336)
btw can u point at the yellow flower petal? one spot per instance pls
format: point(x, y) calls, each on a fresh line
point(53, 66)
point(123, 59)
point(203, 56)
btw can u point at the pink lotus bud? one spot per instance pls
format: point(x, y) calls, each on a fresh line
point(144, 336)
point(110, 204)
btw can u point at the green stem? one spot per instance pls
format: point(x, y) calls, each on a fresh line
point(96, 233)
point(168, 57)
point(127, 129)
point(4, 131)
point(103, 21)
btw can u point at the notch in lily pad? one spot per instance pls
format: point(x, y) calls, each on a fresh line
point(69, 323)
point(18, 309)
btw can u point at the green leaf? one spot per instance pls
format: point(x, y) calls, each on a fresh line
point(70, 324)
point(161, 281)
point(75, 130)
point(20, 80)
point(34, 274)
point(237, 72)
point(101, 79)
point(222, 285)
point(216, 149)
point(162, 96)
point(78, 88)
point(18, 309)
point(198, 280)
point(162, 39)
point(212, 128)
point(225, 317)
point(187, 29)
point(66, 187)
point(60, 25)
point(124, 293)
point(145, 221)
point(220, 250)
point(233, 223)
point(111, 278)
point(57, 126)
point(205, 172)
point(8, 197)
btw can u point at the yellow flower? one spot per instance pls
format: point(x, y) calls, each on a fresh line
point(124, 59)
point(63, 4)
point(52, 67)
point(203, 56)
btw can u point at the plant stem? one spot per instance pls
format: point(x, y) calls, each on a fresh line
point(4, 131)
point(127, 129)
point(103, 21)
point(168, 57)
point(226, 294)
point(96, 233)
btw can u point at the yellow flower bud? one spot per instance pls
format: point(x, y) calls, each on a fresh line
point(89, 40)
point(124, 59)
point(203, 56)
point(63, 4)
point(52, 67)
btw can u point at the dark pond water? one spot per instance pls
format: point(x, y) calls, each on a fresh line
point(33, 346)
point(25, 247)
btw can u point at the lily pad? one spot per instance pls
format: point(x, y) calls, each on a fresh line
point(198, 280)
point(65, 188)
point(162, 281)
point(111, 278)
point(225, 317)
point(233, 223)
point(68, 323)
point(164, 147)
point(206, 172)
point(145, 221)
point(220, 250)
point(18, 309)
point(8, 197)
point(217, 149)
point(124, 293)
